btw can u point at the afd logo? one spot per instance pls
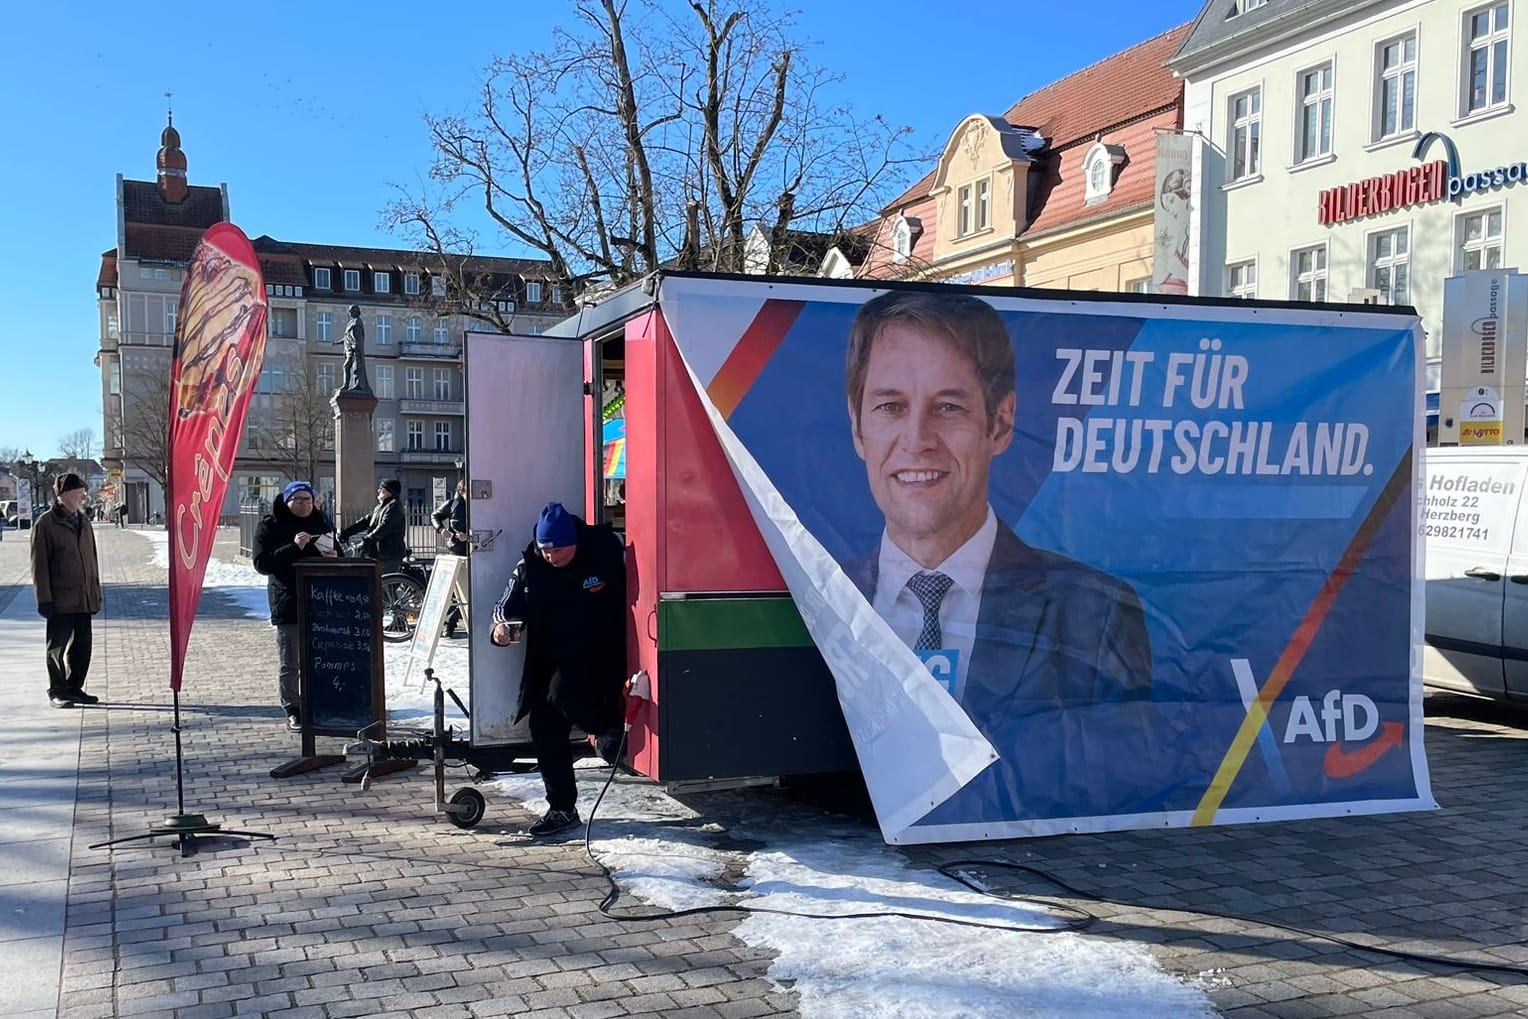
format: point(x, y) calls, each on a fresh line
point(1341, 721)
point(1459, 182)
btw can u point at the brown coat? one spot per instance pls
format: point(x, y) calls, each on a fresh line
point(64, 567)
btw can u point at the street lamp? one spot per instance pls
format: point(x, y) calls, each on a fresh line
point(28, 464)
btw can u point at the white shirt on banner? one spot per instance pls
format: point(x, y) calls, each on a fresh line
point(966, 566)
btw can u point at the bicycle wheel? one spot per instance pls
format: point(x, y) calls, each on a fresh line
point(402, 598)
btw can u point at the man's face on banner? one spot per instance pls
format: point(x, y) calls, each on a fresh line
point(923, 432)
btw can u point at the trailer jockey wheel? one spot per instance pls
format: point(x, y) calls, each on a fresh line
point(466, 808)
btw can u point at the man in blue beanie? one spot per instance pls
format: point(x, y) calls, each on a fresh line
point(289, 533)
point(567, 600)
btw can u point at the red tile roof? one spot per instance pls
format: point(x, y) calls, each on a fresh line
point(107, 277)
point(141, 203)
point(1060, 194)
point(1117, 88)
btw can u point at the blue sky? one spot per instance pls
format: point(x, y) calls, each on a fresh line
point(311, 113)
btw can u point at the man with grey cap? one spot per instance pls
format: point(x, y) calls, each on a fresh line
point(295, 529)
point(67, 579)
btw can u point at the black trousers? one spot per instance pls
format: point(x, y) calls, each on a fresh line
point(550, 734)
point(68, 651)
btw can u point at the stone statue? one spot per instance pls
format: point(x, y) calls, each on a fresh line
point(355, 355)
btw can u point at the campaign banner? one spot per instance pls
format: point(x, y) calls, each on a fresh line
point(219, 350)
point(1086, 565)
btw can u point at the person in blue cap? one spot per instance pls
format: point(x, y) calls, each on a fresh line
point(567, 600)
point(290, 532)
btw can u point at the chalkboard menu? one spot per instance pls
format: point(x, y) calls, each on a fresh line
point(340, 635)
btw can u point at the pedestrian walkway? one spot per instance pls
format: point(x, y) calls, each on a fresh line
point(38, 774)
point(369, 904)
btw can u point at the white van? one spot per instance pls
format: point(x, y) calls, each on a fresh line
point(1474, 518)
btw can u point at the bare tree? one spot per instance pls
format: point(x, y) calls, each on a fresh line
point(79, 444)
point(651, 133)
point(297, 429)
point(146, 424)
point(10, 454)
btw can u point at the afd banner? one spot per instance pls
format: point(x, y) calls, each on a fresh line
point(1084, 566)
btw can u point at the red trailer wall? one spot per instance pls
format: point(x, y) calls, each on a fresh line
point(687, 525)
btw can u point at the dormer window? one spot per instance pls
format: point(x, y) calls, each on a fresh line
point(1098, 168)
point(1243, 6)
point(904, 233)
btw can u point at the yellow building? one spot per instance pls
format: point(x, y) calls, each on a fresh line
point(1061, 191)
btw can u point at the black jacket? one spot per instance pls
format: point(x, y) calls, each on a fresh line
point(276, 555)
point(575, 629)
point(384, 530)
point(453, 514)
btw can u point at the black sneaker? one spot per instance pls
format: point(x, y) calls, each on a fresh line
point(294, 722)
point(59, 700)
point(555, 821)
point(81, 697)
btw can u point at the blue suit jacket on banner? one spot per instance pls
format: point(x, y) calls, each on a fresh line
point(1060, 684)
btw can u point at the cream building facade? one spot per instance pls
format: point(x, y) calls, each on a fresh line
point(1355, 150)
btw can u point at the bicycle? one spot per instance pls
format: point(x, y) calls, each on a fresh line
point(402, 594)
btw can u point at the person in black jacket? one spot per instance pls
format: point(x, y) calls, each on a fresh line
point(383, 537)
point(289, 533)
point(567, 597)
point(451, 521)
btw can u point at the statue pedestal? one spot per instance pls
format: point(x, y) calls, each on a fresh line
point(355, 456)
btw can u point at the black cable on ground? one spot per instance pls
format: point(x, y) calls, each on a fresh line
point(1072, 918)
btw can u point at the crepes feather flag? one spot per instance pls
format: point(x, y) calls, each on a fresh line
point(219, 348)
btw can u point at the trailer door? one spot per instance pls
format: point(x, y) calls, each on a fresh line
point(525, 448)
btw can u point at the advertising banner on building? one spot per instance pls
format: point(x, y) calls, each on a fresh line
point(1170, 219)
point(1085, 566)
point(219, 349)
point(1485, 358)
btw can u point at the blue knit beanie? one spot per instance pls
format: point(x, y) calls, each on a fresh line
point(556, 529)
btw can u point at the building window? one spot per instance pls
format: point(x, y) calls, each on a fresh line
point(901, 240)
point(963, 217)
point(416, 435)
point(1241, 280)
point(557, 295)
point(411, 283)
point(412, 330)
point(384, 382)
point(324, 379)
point(1396, 92)
point(442, 383)
point(384, 330)
point(1485, 58)
point(1243, 6)
point(1477, 240)
point(353, 280)
point(169, 317)
point(437, 286)
point(114, 385)
point(1246, 134)
point(1315, 138)
point(442, 333)
point(1307, 267)
point(382, 282)
point(1390, 264)
point(1140, 286)
point(443, 436)
point(532, 292)
point(321, 279)
point(413, 382)
point(145, 273)
point(111, 323)
point(386, 443)
point(325, 324)
point(983, 204)
point(1098, 171)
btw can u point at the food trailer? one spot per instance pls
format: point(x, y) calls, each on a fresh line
point(1191, 587)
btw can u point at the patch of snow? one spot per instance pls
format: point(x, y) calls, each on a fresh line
point(660, 852)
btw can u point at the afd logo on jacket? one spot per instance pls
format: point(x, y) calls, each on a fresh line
point(593, 585)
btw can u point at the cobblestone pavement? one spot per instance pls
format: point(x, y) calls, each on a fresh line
point(368, 904)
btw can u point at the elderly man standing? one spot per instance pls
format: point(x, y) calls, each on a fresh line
point(67, 579)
